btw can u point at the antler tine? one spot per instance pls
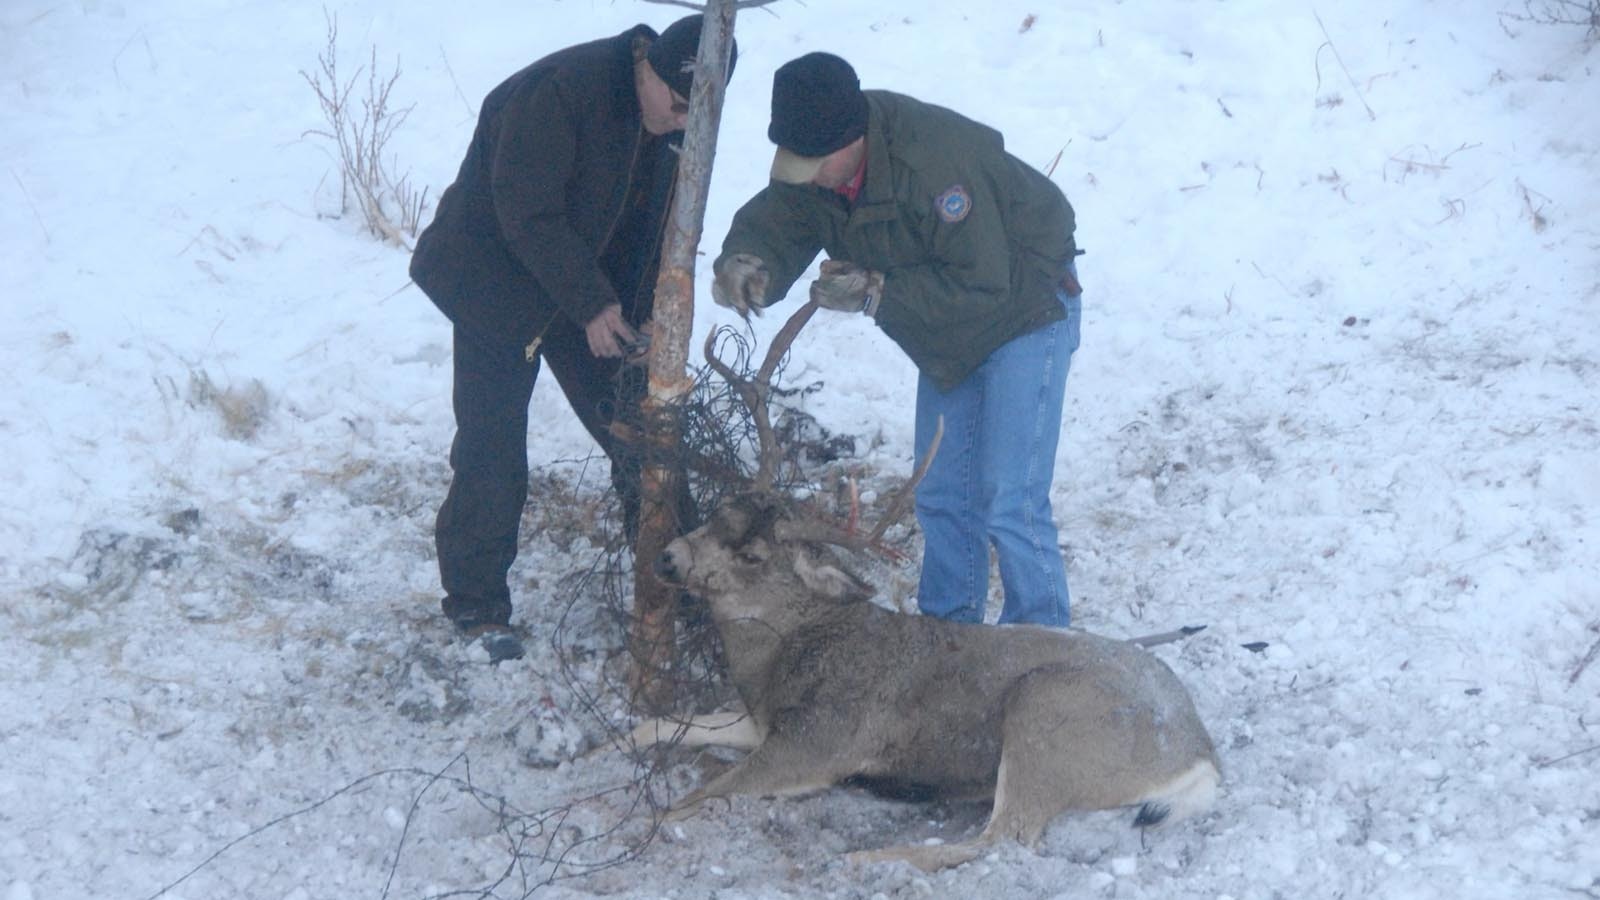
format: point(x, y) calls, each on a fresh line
point(810, 529)
point(907, 492)
point(755, 401)
point(828, 533)
point(782, 340)
point(754, 393)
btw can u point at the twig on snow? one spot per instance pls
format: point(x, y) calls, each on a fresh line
point(1167, 637)
point(1559, 12)
point(411, 815)
point(1535, 213)
point(472, 112)
point(1594, 650)
point(700, 7)
point(1547, 763)
point(29, 197)
point(282, 819)
point(1051, 169)
point(1353, 86)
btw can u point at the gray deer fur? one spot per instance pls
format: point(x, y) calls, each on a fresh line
point(834, 688)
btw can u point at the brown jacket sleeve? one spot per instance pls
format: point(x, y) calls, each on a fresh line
point(530, 181)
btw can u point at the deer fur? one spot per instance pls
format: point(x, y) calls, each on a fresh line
point(835, 687)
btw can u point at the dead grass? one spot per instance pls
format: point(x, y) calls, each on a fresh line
point(244, 409)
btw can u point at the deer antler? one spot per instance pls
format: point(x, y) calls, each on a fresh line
point(901, 501)
point(754, 393)
point(827, 533)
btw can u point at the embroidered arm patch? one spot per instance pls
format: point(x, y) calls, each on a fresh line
point(954, 204)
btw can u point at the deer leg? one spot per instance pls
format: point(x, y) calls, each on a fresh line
point(1016, 816)
point(733, 729)
point(1019, 815)
point(771, 770)
point(928, 858)
point(1032, 786)
point(1023, 803)
point(1050, 758)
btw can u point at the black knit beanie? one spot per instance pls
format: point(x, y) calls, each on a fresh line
point(672, 54)
point(817, 105)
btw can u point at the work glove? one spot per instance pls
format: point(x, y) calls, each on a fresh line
point(741, 283)
point(847, 287)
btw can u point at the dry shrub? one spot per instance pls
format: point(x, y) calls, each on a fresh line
point(1584, 13)
point(391, 207)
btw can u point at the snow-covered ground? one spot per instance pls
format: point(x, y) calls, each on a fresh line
point(1337, 395)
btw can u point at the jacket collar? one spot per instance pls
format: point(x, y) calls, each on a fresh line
point(624, 89)
point(876, 202)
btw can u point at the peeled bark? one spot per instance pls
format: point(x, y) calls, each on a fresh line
point(653, 640)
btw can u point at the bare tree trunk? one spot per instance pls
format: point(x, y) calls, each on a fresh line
point(654, 603)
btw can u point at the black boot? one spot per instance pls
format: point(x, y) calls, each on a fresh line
point(488, 623)
point(499, 641)
point(468, 613)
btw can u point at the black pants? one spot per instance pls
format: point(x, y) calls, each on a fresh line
point(476, 530)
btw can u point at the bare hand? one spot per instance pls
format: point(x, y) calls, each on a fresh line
point(609, 334)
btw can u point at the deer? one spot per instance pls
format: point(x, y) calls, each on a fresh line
point(837, 689)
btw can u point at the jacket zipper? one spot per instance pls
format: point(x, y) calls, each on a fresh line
point(655, 248)
point(627, 191)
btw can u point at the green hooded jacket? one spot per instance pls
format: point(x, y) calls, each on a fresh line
point(973, 242)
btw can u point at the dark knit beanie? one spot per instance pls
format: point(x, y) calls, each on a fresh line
point(817, 105)
point(672, 54)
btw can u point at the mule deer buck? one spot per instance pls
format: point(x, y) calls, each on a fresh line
point(836, 688)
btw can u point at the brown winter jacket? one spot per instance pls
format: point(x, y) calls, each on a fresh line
point(558, 157)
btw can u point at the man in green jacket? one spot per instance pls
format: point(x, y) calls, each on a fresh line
point(963, 255)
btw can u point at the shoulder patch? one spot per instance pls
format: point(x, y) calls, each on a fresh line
point(954, 204)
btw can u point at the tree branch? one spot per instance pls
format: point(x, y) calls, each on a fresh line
point(701, 7)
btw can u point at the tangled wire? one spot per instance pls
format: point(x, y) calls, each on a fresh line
point(609, 827)
point(713, 459)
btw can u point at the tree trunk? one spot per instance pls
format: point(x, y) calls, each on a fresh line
point(654, 603)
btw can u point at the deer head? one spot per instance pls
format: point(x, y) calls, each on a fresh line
point(748, 565)
point(761, 556)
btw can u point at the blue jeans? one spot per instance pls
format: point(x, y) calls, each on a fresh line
point(990, 481)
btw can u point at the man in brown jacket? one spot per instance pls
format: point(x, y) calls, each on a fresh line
point(544, 252)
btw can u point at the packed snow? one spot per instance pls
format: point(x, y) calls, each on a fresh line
point(1336, 401)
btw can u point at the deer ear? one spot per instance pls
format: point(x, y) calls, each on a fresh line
point(830, 580)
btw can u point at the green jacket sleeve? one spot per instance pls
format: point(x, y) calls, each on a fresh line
point(530, 173)
point(775, 227)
